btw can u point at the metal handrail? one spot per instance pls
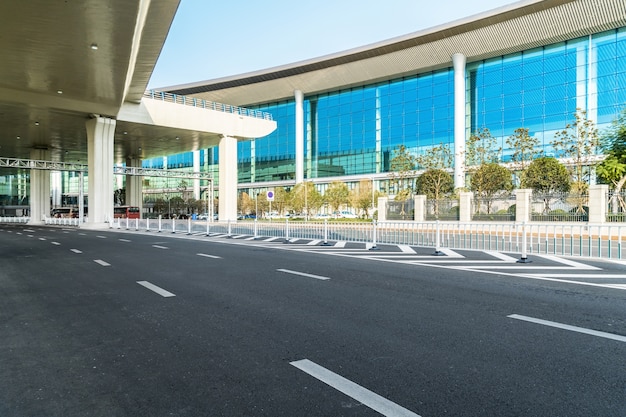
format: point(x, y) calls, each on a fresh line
point(205, 104)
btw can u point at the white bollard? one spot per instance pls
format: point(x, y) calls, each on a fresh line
point(438, 251)
point(524, 259)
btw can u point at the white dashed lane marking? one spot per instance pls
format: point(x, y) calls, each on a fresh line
point(158, 290)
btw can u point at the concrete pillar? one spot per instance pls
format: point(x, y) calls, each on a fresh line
point(382, 209)
point(56, 181)
point(196, 181)
point(597, 203)
point(228, 179)
point(100, 131)
point(420, 208)
point(299, 136)
point(523, 208)
point(39, 188)
point(458, 61)
point(134, 186)
point(465, 206)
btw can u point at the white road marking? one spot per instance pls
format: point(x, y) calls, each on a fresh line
point(29, 230)
point(340, 244)
point(159, 247)
point(18, 233)
point(304, 274)
point(271, 239)
point(450, 253)
point(314, 242)
point(101, 237)
point(76, 251)
point(101, 262)
point(587, 276)
point(501, 256)
point(570, 328)
point(158, 290)
point(209, 256)
point(124, 240)
point(42, 238)
point(55, 243)
point(406, 249)
point(568, 262)
point(362, 395)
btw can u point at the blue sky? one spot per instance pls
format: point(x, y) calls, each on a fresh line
point(212, 39)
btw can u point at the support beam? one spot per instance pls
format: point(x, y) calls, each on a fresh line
point(458, 61)
point(39, 189)
point(299, 136)
point(100, 132)
point(134, 190)
point(227, 179)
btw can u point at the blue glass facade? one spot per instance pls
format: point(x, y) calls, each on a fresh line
point(353, 132)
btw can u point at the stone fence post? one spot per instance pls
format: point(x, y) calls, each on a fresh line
point(465, 206)
point(419, 202)
point(382, 208)
point(523, 207)
point(598, 203)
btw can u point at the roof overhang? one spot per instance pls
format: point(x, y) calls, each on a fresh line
point(520, 26)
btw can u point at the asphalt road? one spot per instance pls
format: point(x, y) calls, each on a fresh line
point(103, 323)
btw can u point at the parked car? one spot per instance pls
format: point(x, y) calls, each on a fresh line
point(346, 215)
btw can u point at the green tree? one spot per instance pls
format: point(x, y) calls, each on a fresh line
point(305, 198)
point(245, 204)
point(488, 181)
point(402, 167)
point(336, 195)
point(481, 148)
point(524, 152)
point(613, 169)
point(546, 176)
point(437, 157)
point(579, 142)
point(435, 184)
point(363, 197)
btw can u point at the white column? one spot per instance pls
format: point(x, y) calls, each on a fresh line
point(134, 187)
point(39, 188)
point(379, 147)
point(228, 179)
point(196, 181)
point(458, 61)
point(56, 181)
point(299, 136)
point(100, 131)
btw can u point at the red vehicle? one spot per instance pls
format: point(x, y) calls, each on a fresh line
point(126, 212)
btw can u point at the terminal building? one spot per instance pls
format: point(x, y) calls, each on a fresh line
point(530, 65)
point(340, 117)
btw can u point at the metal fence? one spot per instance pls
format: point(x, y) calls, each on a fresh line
point(442, 209)
point(616, 207)
point(499, 208)
point(401, 210)
point(573, 239)
point(14, 219)
point(561, 207)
